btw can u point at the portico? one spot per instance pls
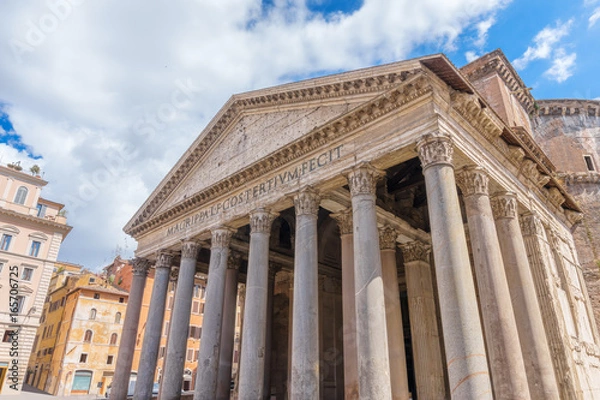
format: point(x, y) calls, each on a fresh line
point(344, 190)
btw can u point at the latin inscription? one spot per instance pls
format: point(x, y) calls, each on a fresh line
point(259, 190)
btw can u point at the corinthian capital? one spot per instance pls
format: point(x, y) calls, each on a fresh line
point(306, 202)
point(220, 237)
point(435, 149)
point(504, 205)
point(164, 259)
point(531, 224)
point(261, 220)
point(189, 249)
point(140, 266)
point(387, 238)
point(415, 251)
point(344, 220)
point(363, 179)
point(472, 181)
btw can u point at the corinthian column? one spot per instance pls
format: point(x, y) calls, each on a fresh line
point(536, 353)
point(393, 314)
point(427, 352)
point(180, 321)
point(305, 335)
point(210, 343)
point(371, 329)
point(252, 364)
point(129, 333)
point(502, 338)
point(156, 313)
point(463, 339)
point(344, 220)
point(228, 328)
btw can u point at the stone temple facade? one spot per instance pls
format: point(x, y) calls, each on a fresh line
point(400, 235)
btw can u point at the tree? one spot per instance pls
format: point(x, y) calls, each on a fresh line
point(35, 169)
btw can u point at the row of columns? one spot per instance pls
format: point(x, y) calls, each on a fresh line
point(374, 356)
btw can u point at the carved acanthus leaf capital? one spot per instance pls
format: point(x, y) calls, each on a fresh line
point(164, 259)
point(140, 266)
point(221, 237)
point(435, 149)
point(233, 260)
point(261, 220)
point(387, 238)
point(306, 202)
point(531, 225)
point(344, 220)
point(415, 251)
point(473, 181)
point(189, 249)
point(504, 205)
point(363, 180)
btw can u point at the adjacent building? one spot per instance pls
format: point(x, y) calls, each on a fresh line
point(78, 340)
point(32, 229)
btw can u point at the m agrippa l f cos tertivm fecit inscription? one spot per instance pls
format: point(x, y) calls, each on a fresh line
point(285, 177)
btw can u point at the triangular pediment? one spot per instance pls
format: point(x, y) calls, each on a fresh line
point(254, 126)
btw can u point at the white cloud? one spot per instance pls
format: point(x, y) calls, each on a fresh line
point(562, 66)
point(594, 17)
point(482, 30)
point(544, 43)
point(471, 56)
point(90, 87)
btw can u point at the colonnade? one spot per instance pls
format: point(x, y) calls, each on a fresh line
point(451, 363)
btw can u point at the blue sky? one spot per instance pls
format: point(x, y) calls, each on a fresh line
point(87, 88)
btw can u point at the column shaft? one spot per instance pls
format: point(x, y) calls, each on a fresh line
point(372, 340)
point(502, 338)
point(427, 351)
point(255, 313)
point(305, 336)
point(393, 314)
point(536, 353)
point(269, 338)
point(466, 358)
point(228, 330)
point(156, 313)
point(129, 333)
point(179, 325)
point(210, 343)
point(348, 307)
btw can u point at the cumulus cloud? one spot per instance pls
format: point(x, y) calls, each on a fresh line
point(112, 93)
point(544, 43)
point(482, 31)
point(562, 66)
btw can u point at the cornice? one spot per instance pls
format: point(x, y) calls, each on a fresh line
point(496, 62)
point(575, 178)
point(63, 228)
point(326, 89)
point(415, 85)
point(568, 107)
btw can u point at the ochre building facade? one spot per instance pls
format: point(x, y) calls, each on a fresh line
point(399, 232)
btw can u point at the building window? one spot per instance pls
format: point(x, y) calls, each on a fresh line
point(113, 339)
point(81, 382)
point(21, 195)
point(170, 303)
point(109, 360)
point(190, 354)
point(118, 318)
point(161, 352)
point(1, 266)
point(88, 336)
point(41, 210)
point(5, 242)
point(8, 334)
point(83, 358)
point(166, 331)
point(196, 307)
point(20, 303)
point(27, 274)
point(93, 314)
point(121, 299)
point(34, 250)
point(96, 296)
point(589, 162)
point(92, 279)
